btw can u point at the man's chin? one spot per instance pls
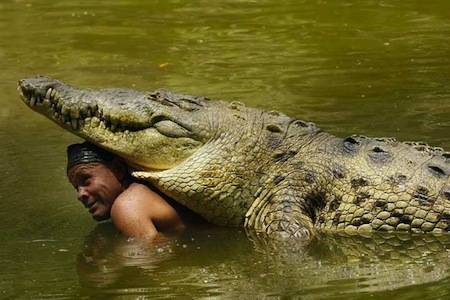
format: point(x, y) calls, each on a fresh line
point(100, 217)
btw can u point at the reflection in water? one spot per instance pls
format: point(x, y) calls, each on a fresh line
point(346, 264)
point(112, 264)
point(107, 256)
point(234, 264)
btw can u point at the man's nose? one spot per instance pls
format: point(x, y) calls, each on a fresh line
point(82, 195)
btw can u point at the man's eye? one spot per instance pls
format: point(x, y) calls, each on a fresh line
point(84, 180)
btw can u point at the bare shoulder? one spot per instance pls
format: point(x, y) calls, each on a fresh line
point(140, 201)
point(136, 199)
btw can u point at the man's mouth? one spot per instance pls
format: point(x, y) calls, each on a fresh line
point(90, 205)
point(92, 208)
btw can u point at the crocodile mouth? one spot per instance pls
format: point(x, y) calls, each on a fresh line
point(51, 103)
point(128, 123)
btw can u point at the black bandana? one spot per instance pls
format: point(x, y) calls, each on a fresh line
point(86, 153)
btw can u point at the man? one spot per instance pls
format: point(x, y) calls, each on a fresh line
point(106, 189)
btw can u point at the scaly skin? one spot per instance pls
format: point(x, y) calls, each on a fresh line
point(241, 166)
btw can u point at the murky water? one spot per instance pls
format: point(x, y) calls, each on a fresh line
point(380, 68)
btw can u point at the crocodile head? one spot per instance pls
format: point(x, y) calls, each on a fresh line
point(151, 130)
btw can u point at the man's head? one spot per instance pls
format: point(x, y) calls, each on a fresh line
point(97, 175)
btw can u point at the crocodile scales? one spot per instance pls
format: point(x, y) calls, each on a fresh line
point(242, 166)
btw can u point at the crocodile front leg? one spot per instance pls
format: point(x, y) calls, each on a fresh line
point(284, 213)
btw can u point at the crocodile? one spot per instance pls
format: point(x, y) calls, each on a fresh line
point(263, 170)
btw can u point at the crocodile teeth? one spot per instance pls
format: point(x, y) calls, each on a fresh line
point(46, 102)
point(33, 101)
point(74, 124)
point(49, 91)
point(53, 99)
point(74, 113)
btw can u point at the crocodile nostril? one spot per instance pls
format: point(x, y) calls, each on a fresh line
point(378, 150)
point(350, 144)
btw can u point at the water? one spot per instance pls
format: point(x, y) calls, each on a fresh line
point(379, 68)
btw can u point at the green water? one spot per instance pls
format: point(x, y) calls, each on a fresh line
point(380, 68)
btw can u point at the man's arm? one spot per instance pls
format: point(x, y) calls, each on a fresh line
point(140, 212)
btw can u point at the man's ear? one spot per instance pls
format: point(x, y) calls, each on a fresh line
point(120, 168)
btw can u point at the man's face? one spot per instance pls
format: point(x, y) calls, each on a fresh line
point(97, 187)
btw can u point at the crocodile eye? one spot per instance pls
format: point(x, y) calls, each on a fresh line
point(171, 129)
point(436, 170)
